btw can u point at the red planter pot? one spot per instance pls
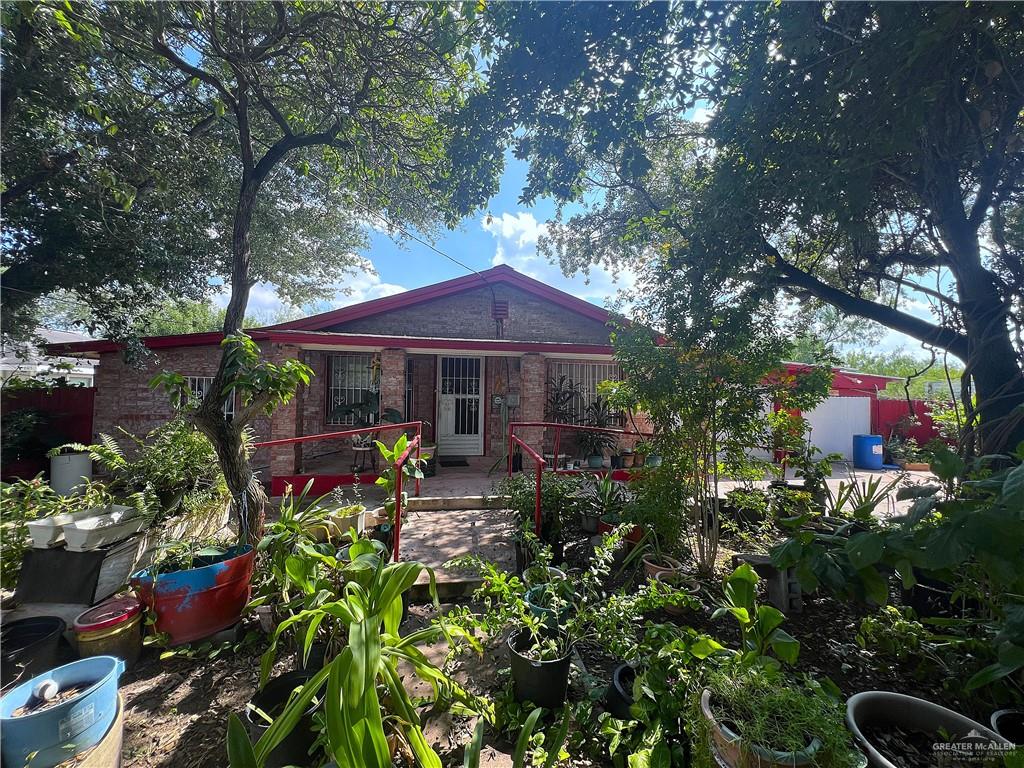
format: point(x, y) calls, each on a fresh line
point(201, 601)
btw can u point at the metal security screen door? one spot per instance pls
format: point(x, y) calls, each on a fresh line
point(460, 406)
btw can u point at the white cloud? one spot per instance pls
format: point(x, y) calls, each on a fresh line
point(516, 236)
point(521, 227)
point(265, 302)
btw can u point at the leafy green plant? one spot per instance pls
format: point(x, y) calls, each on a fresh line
point(412, 470)
point(761, 634)
point(559, 496)
point(552, 750)
point(860, 498)
point(603, 496)
point(967, 531)
point(763, 708)
point(560, 400)
point(174, 461)
point(365, 700)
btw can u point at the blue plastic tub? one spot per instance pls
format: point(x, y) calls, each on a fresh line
point(867, 451)
point(66, 729)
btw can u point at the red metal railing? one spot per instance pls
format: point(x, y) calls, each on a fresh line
point(540, 462)
point(414, 444)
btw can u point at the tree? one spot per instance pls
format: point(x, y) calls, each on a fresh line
point(355, 94)
point(118, 183)
point(858, 154)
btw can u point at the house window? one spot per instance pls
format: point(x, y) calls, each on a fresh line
point(200, 385)
point(585, 375)
point(350, 377)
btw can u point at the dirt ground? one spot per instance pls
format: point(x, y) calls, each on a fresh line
point(177, 709)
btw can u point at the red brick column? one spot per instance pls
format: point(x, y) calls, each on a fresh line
point(392, 381)
point(287, 419)
point(533, 384)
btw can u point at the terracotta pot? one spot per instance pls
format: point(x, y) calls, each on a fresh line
point(652, 567)
point(673, 579)
point(729, 750)
point(627, 460)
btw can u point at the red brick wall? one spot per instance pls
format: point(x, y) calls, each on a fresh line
point(424, 393)
point(468, 316)
point(124, 398)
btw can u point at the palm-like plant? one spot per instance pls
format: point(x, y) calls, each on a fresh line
point(357, 725)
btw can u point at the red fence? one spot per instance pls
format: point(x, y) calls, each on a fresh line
point(65, 416)
point(889, 414)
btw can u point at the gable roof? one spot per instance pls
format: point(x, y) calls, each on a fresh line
point(489, 277)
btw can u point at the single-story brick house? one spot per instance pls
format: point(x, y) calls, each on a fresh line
point(460, 355)
point(465, 356)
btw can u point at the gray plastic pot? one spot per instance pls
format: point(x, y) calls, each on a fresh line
point(910, 713)
point(730, 750)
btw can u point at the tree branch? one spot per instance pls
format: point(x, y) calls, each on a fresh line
point(900, 321)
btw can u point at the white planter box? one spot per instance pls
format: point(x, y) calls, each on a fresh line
point(49, 532)
point(95, 532)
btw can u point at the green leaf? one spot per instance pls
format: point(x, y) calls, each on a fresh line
point(865, 549)
point(523, 743)
point(240, 751)
point(472, 757)
point(785, 646)
point(989, 675)
point(876, 588)
point(1013, 487)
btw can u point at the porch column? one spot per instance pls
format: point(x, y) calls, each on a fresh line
point(392, 383)
point(286, 421)
point(532, 386)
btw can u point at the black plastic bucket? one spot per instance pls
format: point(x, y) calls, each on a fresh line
point(294, 750)
point(29, 647)
point(619, 696)
point(545, 683)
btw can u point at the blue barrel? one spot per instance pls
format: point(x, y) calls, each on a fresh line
point(69, 728)
point(867, 451)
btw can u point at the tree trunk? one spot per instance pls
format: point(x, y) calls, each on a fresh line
point(992, 363)
point(248, 499)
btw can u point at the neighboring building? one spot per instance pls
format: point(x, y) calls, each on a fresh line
point(28, 361)
point(465, 356)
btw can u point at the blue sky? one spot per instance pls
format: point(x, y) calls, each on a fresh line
point(506, 232)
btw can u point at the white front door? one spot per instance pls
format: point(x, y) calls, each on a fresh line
point(460, 406)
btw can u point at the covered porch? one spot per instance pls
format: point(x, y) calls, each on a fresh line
point(464, 391)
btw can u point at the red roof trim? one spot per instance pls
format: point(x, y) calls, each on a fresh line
point(342, 339)
point(499, 274)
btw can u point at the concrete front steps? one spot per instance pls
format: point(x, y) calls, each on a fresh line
point(438, 529)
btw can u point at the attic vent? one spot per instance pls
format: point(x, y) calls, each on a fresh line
point(499, 309)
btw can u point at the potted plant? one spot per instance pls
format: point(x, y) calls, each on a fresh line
point(746, 506)
point(682, 591)
point(592, 446)
point(195, 590)
point(627, 457)
point(601, 501)
point(552, 601)
point(655, 508)
point(752, 717)
point(559, 495)
point(640, 452)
